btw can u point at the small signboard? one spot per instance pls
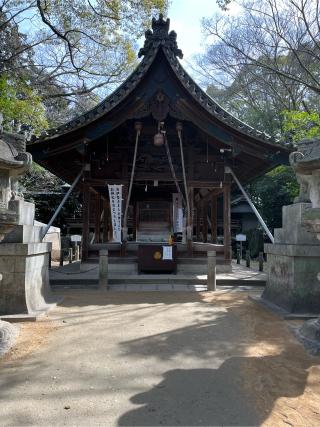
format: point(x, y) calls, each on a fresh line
point(241, 238)
point(167, 253)
point(75, 238)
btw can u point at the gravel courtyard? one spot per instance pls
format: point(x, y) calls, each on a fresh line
point(140, 359)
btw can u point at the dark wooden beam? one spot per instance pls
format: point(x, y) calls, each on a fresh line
point(207, 197)
point(191, 200)
point(86, 219)
point(97, 218)
point(214, 219)
point(198, 224)
point(227, 222)
point(204, 221)
point(105, 235)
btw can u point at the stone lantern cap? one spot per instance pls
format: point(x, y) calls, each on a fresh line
point(307, 158)
point(13, 155)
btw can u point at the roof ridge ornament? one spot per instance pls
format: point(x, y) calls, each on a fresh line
point(160, 36)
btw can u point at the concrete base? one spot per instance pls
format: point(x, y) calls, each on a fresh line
point(24, 287)
point(293, 277)
point(23, 234)
point(294, 265)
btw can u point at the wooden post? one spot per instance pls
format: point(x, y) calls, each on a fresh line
point(214, 219)
point(76, 254)
point(211, 280)
point(248, 258)
point(226, 222)
point(137, 218)
point(105, 220)
point(61, 257)
point(70, 255)
point(86, 219)
point(103, 269)
point(198, 224)
point(124, 225)
point(260, 261)
point(190, 225)
point(205, 222)
point(97, 218)
point(238, 256)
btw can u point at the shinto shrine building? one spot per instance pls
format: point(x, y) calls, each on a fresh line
point(167, 143)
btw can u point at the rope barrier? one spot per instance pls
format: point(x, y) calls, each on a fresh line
point(166, 144)
point(179, 129)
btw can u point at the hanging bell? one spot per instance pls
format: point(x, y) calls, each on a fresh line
point(158, 139)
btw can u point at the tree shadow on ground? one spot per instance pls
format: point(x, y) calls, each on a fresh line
point(215, 397)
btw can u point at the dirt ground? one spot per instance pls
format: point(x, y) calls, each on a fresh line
point(159, 359)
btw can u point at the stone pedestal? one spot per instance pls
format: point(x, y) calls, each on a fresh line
point(293, 264)
point(24, 259)
point(24, 287)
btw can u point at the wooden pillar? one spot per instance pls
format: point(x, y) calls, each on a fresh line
point(214, 219)
point(97, 218)
point(86, 221)
point(137, 216)
point(226, 221)
point(105, 236)
point(198, 223)
point(202, 218)
point(205, 222)
point(190, 225)
point(124, 225)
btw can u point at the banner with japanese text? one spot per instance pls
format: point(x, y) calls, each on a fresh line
point(177, 213)
point(115, 196)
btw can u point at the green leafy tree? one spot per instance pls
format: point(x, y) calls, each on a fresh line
point(302, 124)
point(79, 46)
point(272, 191)
point(41, 187)
point(20, 103)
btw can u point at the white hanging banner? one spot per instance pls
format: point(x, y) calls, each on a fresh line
point(177, 213)
point(115, 196)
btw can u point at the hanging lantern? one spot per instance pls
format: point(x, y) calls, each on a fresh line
point(158, 139)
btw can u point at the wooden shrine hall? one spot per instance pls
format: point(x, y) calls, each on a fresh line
point(169, 146)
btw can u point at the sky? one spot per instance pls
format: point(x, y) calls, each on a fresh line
point(185, 17)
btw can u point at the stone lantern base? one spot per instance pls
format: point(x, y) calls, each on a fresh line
point(24, 266)
point(24, 287)
point(293, 281)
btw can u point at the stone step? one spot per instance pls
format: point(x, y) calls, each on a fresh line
point(157, 279)
point(151, 279)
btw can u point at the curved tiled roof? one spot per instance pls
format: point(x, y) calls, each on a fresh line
point(158, 38)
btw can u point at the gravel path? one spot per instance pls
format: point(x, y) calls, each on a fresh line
point(120, 359)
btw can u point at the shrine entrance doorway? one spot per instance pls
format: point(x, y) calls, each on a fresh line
point(153, 221)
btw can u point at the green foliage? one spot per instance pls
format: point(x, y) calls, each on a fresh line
point(272, 191)
point(63, 54)
point(46, 190)
point(20, 103)
point(255, 242)
point(302, 124)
